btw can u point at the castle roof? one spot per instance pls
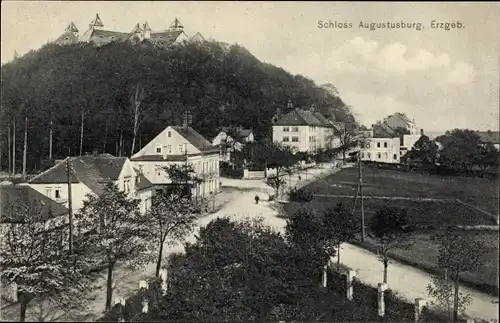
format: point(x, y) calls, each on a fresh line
point(169, 36)
point(108, 34)
point(137, 29)
point(146, 27)
point(298, 117)
point(67, 38)
point(71, 27)
point(198, 37)
point(176, 24)
point(97, 22)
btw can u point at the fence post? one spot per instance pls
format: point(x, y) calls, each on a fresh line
point(419, 306)
point(164, 276)
point(382, 287)
point(349, 287)
point(324, 276)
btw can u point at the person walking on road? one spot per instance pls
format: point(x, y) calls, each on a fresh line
point(256, 199)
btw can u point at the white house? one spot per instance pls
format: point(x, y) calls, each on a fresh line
point(400, 120)
point(228, 140)
point(383, 150)
point(180, 145)
point(304, 130)
point(89, 175)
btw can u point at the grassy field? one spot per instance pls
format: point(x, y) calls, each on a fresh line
point(482, 193)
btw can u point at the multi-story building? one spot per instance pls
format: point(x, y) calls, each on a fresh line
point(400, 120)
point(230, 140)
point(304, 130)
point(383, 150)
point(89, 175)
point(180, 145)
point(96, 34)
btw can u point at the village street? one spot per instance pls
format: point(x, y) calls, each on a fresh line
point(407, 281)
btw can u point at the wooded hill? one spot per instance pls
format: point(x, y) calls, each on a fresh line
point(219, 84)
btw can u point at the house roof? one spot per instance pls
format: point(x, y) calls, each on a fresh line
point(238, 133)
point(198, 37)
point(145, 26)
point(166, 36)
point(176, 24)
point(194, 138)
point(97, 22)
point(105, 34)
point(92, 171)
point(137, 29)
point(169, 158)
point(67, 37)
point(402, 117)
point(489, 136)
point(321, 118)
point(22, 193)
point(142, 182)
point(299, 117)
point(71, 27)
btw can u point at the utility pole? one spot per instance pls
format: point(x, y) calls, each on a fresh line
point(361, 196)
point(14, 148)
point(9, 156)
point(81, 132)
point(70, 207)
point(50, 137)
point(25, 150)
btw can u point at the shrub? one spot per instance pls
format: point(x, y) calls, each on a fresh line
point(300, 195)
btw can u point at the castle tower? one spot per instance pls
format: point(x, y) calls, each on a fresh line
point(147, 30)
point(96, 23)
point(138, 31)
point(72, 28)
point(176, 25)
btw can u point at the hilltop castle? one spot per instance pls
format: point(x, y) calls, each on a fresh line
point(99, 36)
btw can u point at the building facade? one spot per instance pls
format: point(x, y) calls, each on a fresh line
point(304, 130)
point(400, 120)
point(383, 150)
point(180, 145)
point(89, 175)
point(96, 34)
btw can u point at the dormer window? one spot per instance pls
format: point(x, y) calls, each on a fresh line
point(158, 149)
point(113, 37)
point(66, 38)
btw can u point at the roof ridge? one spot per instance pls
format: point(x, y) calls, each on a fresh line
point(48, 170)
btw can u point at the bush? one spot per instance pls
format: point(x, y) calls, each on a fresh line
point(300, 195)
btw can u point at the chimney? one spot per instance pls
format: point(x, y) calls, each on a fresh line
point(421, 132)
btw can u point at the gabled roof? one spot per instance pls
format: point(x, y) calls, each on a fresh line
point(169, 158)
point(176, 24)
point(382, 130)
point(71, 27)
point(107, 34)
point(97, 22)
point(403, 117)
point(67, 37)
point(299, 117)
point(92, 171)
point(137, 29)
point(198, 37)
point(321, 118)
point(145, 26)
point(14, 194)
point(237, 133)
point(489, 136)
point(168, 36)
point(141, 181)
point(194, 138)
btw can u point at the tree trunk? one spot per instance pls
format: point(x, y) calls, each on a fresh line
point(455, 301)
point(81, 132)
point(14, 148)
point(158, 262)
point(133, 143)
point(9, 157)
point(109, 286)
point(22, 308)
point(338, 257)
point(120, 149)
point(25, 149)
point(50, 139)
point(386, 263)
point(105, 137)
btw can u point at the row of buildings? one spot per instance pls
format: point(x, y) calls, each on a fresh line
point(141, 31)
point(140, 177)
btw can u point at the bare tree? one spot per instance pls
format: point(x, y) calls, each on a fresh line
point(137, 112)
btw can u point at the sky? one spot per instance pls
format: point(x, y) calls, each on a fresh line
point(444, 79)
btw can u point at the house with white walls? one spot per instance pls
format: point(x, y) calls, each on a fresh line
point(303, 130)
point(180, 145)
point(89, 175)
point(382, 150)
point(229, 140)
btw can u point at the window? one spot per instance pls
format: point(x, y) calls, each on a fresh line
point(181, 148)
point(169, 134)
point(378, 144)
point(48, 191)
point(395, 157)
point(158, 149)
point(113, 37)
point(126, 185)
point(369, 155)
point(378, 155)
point(158, 170)
point(295, 139)
point(66, 38)
point(286, 139)
point(286, 129)
point(385, 144)
point(169, 149)
point(57, 193)
point(295, 129)
point(386, 155)
point(362, 155)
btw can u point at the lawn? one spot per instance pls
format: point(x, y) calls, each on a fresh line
point(482, 193)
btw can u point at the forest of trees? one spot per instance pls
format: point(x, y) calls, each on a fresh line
point(119, 91)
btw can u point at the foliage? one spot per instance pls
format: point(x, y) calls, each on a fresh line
point(390, 228)
point(34, 255)
point(170, 219)
point(458, 252)
point(443, 293)
point(400, 132)
point(425, 152)
point(300, 195)
point(488, 156)
point(115, 231)
point(182, 173)
point(460, 148)
point(214, 79)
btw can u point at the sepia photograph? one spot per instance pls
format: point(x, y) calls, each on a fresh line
point(239, 161)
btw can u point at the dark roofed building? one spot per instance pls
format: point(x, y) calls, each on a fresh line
point(490, 136)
